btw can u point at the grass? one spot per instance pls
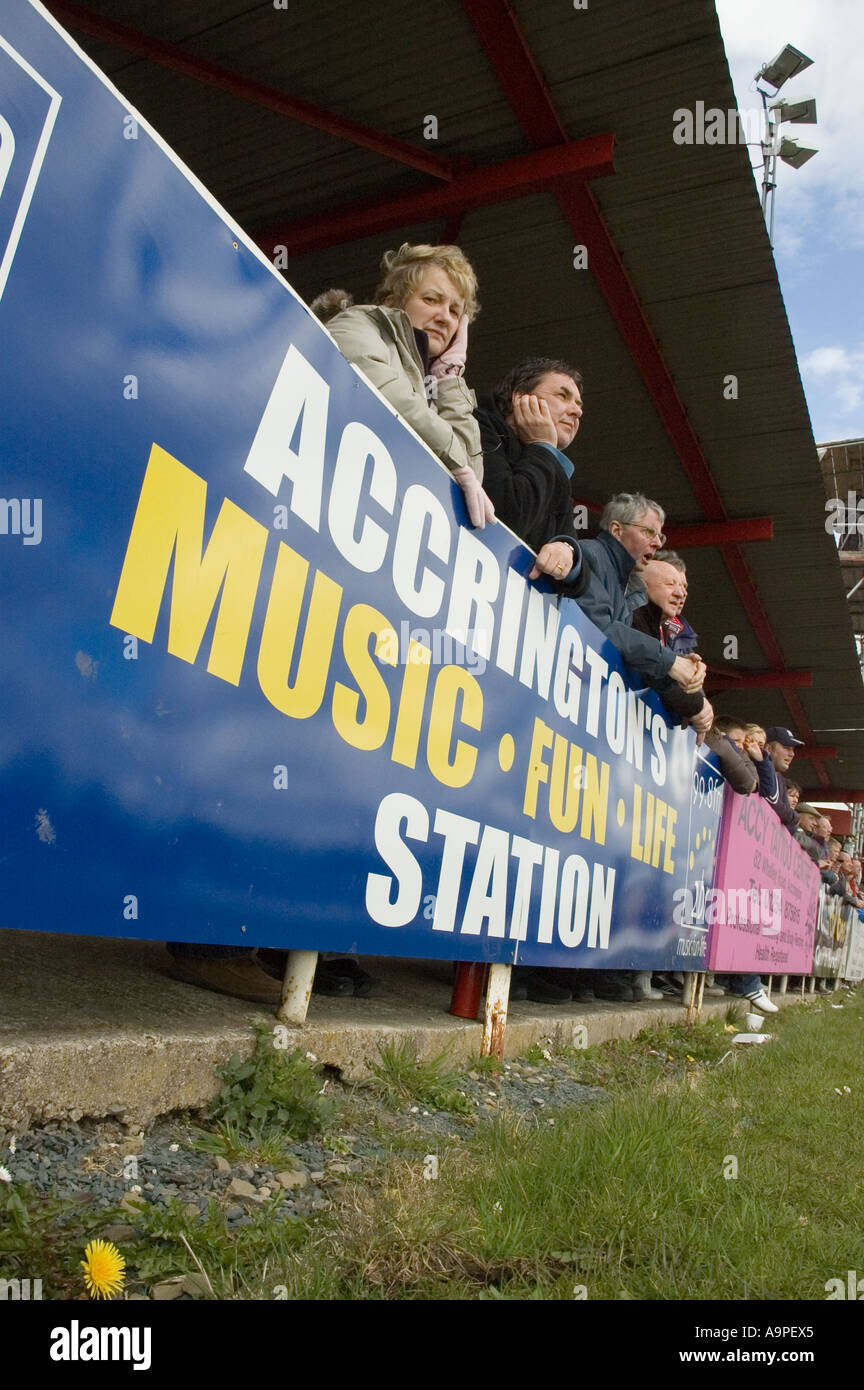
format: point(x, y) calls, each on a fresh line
point(635, 1199)
point(401, 1076)
point(631, 1199)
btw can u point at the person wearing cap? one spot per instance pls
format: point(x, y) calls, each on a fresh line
point(808, 821)
point(780, 745)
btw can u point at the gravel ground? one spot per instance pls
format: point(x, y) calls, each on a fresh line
point(101, 1161)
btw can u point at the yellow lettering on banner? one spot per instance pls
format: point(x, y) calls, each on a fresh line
point(565, 784)
point(538, 772)
point(169, 521)
point(279, 637)
point(369, 732)
point(659, 832)
point(412, 702)
point(671, 820)
point(595, 802)
point(453, 681)
point(635, 840)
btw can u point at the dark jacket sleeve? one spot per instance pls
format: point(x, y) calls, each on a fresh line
point(737, 768)
point(768, 785)
point(648, 657)
point(526, 490)
point(808, 844)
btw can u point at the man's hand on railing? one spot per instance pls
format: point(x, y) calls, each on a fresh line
point(689, 672)
point(555, 558)
point(480, 509)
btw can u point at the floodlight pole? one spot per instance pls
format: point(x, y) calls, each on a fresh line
point(769, 164)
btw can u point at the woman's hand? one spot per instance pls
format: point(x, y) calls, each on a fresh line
point(556, 559)
point(453, 358)
point(480, 509)
point(532, 421)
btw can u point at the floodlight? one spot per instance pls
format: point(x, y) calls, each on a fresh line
point(788, 63)
point(801, 112)
point(793, 153)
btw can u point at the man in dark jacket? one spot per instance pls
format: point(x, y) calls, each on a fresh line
point(780, 745)
point(525, 425)
point(660, 617)
point(630, 534)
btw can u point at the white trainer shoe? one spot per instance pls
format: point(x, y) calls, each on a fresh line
point(762, 1003)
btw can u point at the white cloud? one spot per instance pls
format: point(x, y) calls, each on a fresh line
point(841, 372)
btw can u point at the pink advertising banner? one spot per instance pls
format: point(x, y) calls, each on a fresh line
point(763, 907)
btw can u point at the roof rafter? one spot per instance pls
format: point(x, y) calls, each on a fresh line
point(509, 53)
point(168, 55)
point(479, 187)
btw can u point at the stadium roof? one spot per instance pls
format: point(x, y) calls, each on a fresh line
point(307, 122)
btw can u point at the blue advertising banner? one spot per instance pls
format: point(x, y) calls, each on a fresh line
point(262, 682)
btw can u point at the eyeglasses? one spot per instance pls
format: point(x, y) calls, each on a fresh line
point(649, 532)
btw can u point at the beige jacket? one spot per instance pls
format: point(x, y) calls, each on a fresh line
point(380, 342)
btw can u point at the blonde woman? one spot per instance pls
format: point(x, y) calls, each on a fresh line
point(412, 344)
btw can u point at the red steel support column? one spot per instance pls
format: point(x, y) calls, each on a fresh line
point(510, 56)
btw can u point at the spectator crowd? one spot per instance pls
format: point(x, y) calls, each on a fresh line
point(506, 451)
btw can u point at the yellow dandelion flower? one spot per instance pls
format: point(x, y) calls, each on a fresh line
point(104, 1269)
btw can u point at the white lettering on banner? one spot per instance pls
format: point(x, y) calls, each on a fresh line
point(538, 644)
point(511, 620)
point(357, 445)
point(291, 442)
point(474, 589)
point(300, 395)
point(7, 151)
point(426, 597)
point(584, 894)
point(395, 809)
point(567, 686)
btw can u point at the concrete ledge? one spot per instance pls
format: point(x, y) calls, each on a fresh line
point(92, 1026)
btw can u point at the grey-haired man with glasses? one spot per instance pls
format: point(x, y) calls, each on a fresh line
point(631, 533)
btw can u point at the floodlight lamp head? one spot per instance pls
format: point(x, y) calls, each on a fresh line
point(788, 63)
point(794, 154)
point(800, 112)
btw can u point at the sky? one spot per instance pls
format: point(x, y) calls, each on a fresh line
point(819, 209)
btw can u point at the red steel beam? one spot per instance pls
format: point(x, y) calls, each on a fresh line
point(492, 183)
point(837, 794)
point(754, 528)
point(756, 680)
point(509, 53)
point(703, 533)
point(168, 55)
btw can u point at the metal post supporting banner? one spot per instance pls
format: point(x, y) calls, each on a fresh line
point(782, 982)
point(495, 1021)
point(297, 986)
point(694, 990)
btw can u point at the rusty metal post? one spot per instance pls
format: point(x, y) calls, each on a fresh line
point(297, 986)
point(694, 989)
point(495, 1022)
point(467, 989)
